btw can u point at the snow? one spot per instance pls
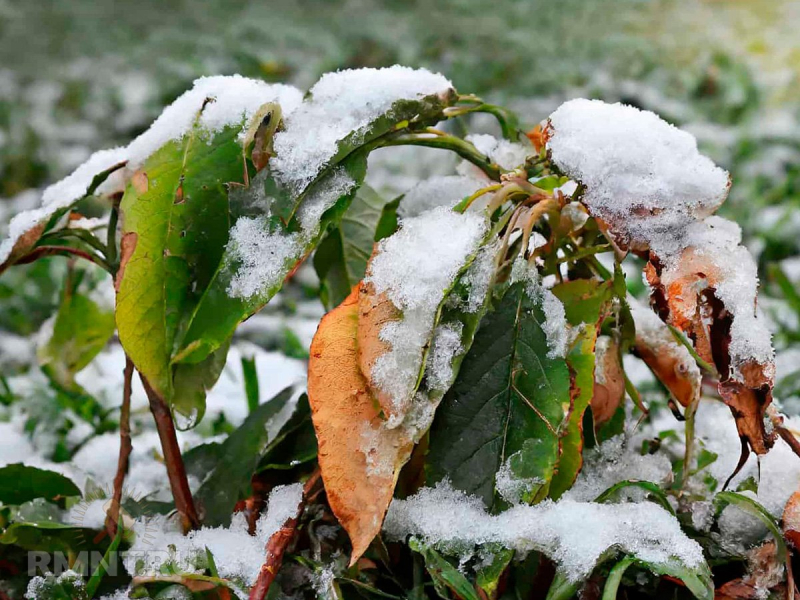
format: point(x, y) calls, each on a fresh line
point(613, 461)
point(237, 554)
point(507, 155)
point(447, 190)
point(39, 587)
point(444, 347)
point(455, 523)
point(479, 276)
point(235, 99)
point(59, 196)
point(634, 163)
point(264, 252)
point(343, 103)
point(414, 267)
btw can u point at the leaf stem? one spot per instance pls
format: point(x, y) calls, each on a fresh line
point(276, 546)
point(125, 448)
point(176, 471)
point(461, 147)
point(111, 234)
point(42, 251)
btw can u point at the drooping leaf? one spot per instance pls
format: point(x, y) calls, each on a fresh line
point(687, 297)
point(234, 462)
point(586, 303)
point(20, 483)
point(48, 218)
point(358, 456)
point(508, 391)
point(174, 231)
point(81, 329)
point(341, 258)
point(669, 360)
point(47, 536)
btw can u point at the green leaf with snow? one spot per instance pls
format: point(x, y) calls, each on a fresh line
point(508, 391)
point(20, 483)
point(586, 302)
point(341, 257)
point(261, 255)
point(174, 231)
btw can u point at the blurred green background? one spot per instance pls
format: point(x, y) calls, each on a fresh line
point(80, 75)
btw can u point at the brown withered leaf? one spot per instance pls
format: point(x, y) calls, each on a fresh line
point(609, 381)
point(666, 357)
point(359, 458)
point(374, 311)
point(791, 520)
point(687, 300)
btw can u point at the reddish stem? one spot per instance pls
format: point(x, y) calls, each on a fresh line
point(278, 542)
point(125, 448)
point(176, 471)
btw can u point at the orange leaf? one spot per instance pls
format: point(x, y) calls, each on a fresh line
point(359, 457)
point(374, 311)
point(609, 381)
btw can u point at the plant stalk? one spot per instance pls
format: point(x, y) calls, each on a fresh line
point(176, 471)
point(125, 448)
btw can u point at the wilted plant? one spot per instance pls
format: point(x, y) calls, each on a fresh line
point(472, 352)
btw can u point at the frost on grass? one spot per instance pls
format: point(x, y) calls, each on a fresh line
point(555, 320)
point(342, 103)
point(648, 181)
point(457, 523)
point(614, 461)
point(414, 268)
point(237, 554)
point(228, 100)
point(263, 252)
point(41, 587)
point(447, 190)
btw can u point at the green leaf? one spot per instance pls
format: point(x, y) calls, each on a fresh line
point(218, 313)
point(489, 576)
point(295, 444)
point(235, 461)
point(81, 330)
point(657, 494)
point(175, 227)
point(698, 580)
point(47, 536)
point(20, 483)
point(341, 258)
point(445, 576)
point(615, 578)
point(506, 386)
point(250, 376)
point(585, 302)
point(755, 509)
point(102, 568)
